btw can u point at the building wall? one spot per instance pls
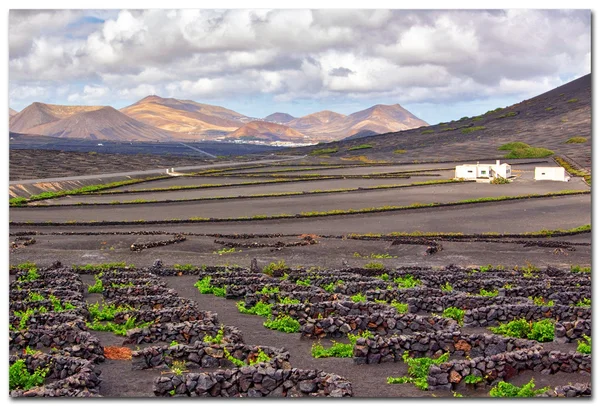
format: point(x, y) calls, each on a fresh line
point(551, 173)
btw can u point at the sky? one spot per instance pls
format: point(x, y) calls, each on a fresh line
point(438, 64)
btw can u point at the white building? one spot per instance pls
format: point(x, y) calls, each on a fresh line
point(485, 171)
point(556, 173)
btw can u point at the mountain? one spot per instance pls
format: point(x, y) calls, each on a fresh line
point(192, 120)
point(12, 112)
point(559, 120)
point(40, 113)
point(103, 123)
point(361, 134)
point(265, 131)
point(279, 118)
point(330, 126)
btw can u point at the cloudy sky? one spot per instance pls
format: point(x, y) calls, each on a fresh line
point(440, 65)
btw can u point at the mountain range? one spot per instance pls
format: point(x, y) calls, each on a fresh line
point(156, 118)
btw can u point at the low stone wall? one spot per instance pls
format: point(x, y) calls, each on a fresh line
point(570, 331)
point(203, 355)
point(187, 332)
point(70, 376)
point(492, 315)
point(152, 302)
point(326, 309)
point(63, 294)
point(506, 365)
point(402, 295)
point(568, 391)
point(240, 291)
point(168, 315)
point(74, 285)
point(462, 301)
point(312, 296)
point(560, 295)
point(205, 270)
point(385, 323)
point(255, 381)
point(352, 288)
point(50, 319)
point(571, 298)
point(23, 305)
point(74, 342)
point(390, 349)
point(110, 292)
point(138, 281)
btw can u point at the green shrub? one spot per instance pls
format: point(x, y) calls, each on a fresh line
point(499, 180)
point(17, 201)
point(400, 151)
point(217, 339)
point(418, 369)
point(383, 277)
point(542, 331)
point(324, 151)
point(455, 313)
point(472, 379)
point(489, 293)
point(97, 286)
point(474, 119)
point(401, 308)
point(275, 266)
point(377, 266)
point(173, 343)
point(359, 297)
point(573, 100)
point(303, 282)
point(108, 311)
point(470, 130)
point(446, 287)
point(427, 132)
point(529, 153)
point(34, 297)
point(260, 308)
point(225, 250)
point(511, 146)
point(362, 146)
point(549, 108)
point(508, 390)
point(204, 286)
point(266, 290)
point(581, 269)
point(184, 267)
point(585, 302)
point(330, 287)
point(540, 301)
point(408, 281)
point(584, 346)
point(509, 114)
point(337, 350)
point(576, 140)
point(19, 376)
point(31, 275)
point(283, 323)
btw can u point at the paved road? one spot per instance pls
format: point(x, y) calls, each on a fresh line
point(150, 172)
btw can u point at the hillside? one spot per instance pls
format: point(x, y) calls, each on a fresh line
point(37, 114)
point(104, 123)
point(279, 118)
point(190, 119)
point(548, 120)
point(328, 126)
point(265, 131)
point(12, 112)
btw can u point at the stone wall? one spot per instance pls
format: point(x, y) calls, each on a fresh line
point(68, 376)
point(326, 309)
point(506, 365)
point(110, 292)
point(255, 381)
point(570, 331)
point(44, 320)
point(462, 301)
point(187, 332)
point(390, 349)
point(203, 355)
point(151, 302)
point(311, 296)
point(492, 315)
point(63, 294)
point(568, 391)
point(168, 315)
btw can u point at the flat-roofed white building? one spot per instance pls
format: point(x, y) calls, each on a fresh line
point(483, 171)
point(556, 173)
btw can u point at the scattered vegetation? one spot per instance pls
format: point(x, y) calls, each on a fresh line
point(400, 151)
point(275, 266)
point(101, 267)
point(509, 114)
point(446, 287)
point(576, 140)
point(427, 132)
point(204, 286)
point(540, 301)
point(470, 130)
point(118, 329)
point(217, 339)
point(584, 346)
point(499, 180)
point(19, 376)
point(362, 146)
point(225, 250)
point(418, 369)
point(184, 267)
point(338, 350)
point(574, 172)
point(373, 256)
point(330, 287)
point(573, 100)
point(522, 150)
point(407, 281)
point(107, 312)
point(324, 151)
point(472, 379)
point(489, 293)
point(97, 286)
point(359, 297)
point(584, 302)
point(542, 331)
point(508, 390)
point(31, 275)
point(260, 308)
point(376, 266)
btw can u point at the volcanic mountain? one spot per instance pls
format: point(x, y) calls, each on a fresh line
point(265, 131)
point(192, 120)
point(279, 118)
point(100, 123)
point(37, 114)
point(12, 112)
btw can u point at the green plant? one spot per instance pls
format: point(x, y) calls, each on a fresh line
point(584, 302)
point(303, 282)
point(469, 130)
point(377, 266)
point(217, 339)
point(283, 323)
point(584, 346)
point(507, 286)
point(399, 379)
point(260, 308)
point(446, 287)
point(324, 151)
point(173, 343)
point(384, 277)
point(508, 390)
point(400, 151)
point(542, 331)
point(455, 313)
point(581, 269)
point(31, 275)
point(224, 251)
point(34, 297)
point(275, 266)
point(490, 293)
point(19, 376)
point(261, 356)
point(362, 146)
point(359, 297)
point(540, 301)
point(172, 392)
point(337, 350)
point(108, 311)
point(456, 395)
point(418, 369)
point(204, 286)
point(330, 287)
point(400, 307)
point(472, 379)
point(576, 140)
point(573, 171)
point(97, 286)
point(24, 317)
point(407, 281)
point(509, 114)
point(184, 267)
point(549, 108)
point(573, 100)
point(499, 180)
point(178, 367)
point(29, 351)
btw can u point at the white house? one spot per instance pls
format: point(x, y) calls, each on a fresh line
point(556, 173)
point(486, 171)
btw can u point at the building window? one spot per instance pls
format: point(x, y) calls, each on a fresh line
point(543, 173)
point(470, 171)
point(483, 172)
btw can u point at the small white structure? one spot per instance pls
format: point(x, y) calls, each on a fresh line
point(483, 171)
point(556, 173)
